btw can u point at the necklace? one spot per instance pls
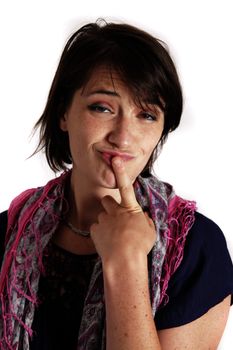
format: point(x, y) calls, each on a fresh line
point(76, 230)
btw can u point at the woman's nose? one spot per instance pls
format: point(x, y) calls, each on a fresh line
point(122, 133)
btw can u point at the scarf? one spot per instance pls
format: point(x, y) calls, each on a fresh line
point(33, 218)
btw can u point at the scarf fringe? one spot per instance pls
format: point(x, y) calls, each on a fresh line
point(181, 216)
point(19, 222)
point(172, 215)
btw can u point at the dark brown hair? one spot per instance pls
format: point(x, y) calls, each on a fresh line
point(142, 61)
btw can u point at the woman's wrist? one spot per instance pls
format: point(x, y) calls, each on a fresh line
point(125, 266)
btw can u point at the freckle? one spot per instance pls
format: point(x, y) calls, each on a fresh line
point(135, 307)
point(126, 334)
point(146, 315)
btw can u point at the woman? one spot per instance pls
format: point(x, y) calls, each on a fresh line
point(106, 256)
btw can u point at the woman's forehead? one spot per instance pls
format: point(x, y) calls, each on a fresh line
point(104, 78)
point(108, 81)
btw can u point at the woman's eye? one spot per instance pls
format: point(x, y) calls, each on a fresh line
point(149, 116)
point(99, 108)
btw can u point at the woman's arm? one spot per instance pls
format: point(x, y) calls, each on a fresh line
point(203, 334)
point(123, 238)
point(129, 320)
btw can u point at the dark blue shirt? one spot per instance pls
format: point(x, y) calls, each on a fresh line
point(203, 279)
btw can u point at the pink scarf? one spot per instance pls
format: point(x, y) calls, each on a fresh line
point(34, 216)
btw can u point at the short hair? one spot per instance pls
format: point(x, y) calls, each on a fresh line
point(143, 63)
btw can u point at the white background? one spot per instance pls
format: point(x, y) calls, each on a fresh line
point(197, 158)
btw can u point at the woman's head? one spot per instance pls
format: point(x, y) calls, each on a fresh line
point(140, 60)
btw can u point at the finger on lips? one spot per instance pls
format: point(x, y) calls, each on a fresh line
point(128, 199)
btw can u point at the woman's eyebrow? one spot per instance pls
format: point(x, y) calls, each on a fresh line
point(105, 92)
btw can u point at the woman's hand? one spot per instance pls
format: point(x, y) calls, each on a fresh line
point(123, 230)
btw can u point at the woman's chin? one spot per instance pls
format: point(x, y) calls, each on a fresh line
point(109, 180)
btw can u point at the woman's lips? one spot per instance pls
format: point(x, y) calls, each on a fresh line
point(107, 156)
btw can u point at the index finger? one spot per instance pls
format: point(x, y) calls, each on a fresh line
point(128, 199)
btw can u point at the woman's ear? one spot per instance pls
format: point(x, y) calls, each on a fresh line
point(63, 122)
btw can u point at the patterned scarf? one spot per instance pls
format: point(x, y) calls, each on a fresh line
point(34, 216)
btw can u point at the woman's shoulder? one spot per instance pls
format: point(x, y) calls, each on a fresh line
point(3, 216)
point(205, 236)
point(3, 228)
point(3, 224)
point(206, 243)
point(205, 227)
point(203, 279)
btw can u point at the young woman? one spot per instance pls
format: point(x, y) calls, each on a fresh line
point(107, 256)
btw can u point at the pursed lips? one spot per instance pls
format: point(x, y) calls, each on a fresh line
point(108, 155)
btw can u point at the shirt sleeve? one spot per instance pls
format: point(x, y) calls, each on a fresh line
point(3, 228)
point(203, 279)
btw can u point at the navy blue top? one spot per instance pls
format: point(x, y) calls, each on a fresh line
point(203, 279)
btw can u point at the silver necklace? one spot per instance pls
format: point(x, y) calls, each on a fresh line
point(77, 230)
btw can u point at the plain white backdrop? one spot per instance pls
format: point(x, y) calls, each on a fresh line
point(197, 158)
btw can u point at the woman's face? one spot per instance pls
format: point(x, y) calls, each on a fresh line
point(103, 121)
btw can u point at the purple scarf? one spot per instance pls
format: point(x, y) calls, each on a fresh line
point(34, 216)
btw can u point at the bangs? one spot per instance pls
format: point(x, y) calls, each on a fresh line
point(143, 79)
